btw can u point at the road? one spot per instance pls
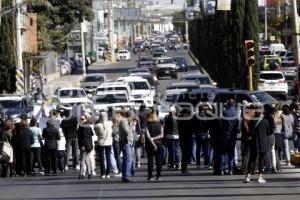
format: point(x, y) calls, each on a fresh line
point(200, 185)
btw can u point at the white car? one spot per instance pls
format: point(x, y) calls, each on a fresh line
point(123, 55)
point(274, 83)
point(166, 62)
point(90, 82)
point(170, 97)
point(113, 86)
point(65, 98)
point(111, 99)
point(141, 91)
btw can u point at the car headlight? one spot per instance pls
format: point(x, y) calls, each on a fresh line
point(146, 95)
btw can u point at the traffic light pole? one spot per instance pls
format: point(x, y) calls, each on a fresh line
point(250, 77)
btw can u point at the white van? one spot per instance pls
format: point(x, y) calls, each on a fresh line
point(276, 47)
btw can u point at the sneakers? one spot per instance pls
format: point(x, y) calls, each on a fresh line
point(138, 165)
point(247, 180)
point(117, 175)
point(77, 167)
point(66, 168)
point(94, 173)
point(103, 176)
point(107, 176)
point(261, 180)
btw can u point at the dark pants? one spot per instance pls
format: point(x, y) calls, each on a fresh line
point(62, 158)
point(6, 169)
point(174, 152)
point(51, 161)
point(36, 158)
point(104, 152)
point(185, 140)
point(24, 161)
point(252, 161)
point(117, 151)
point(73, 143)
point(245, 147)
point(228, 148)
point(203, 141)
point(151, 154)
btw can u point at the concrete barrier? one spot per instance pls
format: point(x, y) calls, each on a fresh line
point(202, 70)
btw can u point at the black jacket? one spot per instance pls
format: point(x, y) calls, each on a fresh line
point(69, 127)
point(170, 126)
point(23, 139)
point(85, 134)
point(51, 135)
point(259, 140)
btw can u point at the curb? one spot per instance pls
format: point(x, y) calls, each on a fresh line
point(202, 70)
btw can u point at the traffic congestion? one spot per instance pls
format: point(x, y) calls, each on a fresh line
point(164, 108)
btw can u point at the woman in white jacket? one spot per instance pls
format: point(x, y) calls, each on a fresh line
point(103, 130)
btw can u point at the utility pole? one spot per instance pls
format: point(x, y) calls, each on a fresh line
point(83, 48)
point(111, 32)
point(19, 49)
point(186, 23)
point(0, 10)
point(266, 21)
point(296, 38)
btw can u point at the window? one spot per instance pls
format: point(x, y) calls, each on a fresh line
point(71, 94)
point(139, 85)
point(111, 98)
point(271, 76)
point(93, 79)
point(10, 104)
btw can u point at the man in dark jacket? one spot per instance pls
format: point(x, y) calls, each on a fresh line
point(229, 128)
point(69, 127)
point(51, 135)
point(185, 131)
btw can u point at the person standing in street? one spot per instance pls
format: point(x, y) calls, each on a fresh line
point(51, 135)
point(36, 146)
point(126, 142)
point(154, 148)
point(103, 130)
point(69, 128)
point(85, 143)
point(288, 130)
point(116, 144)
point(6, 135)
point(259, 129)
point(24, 140)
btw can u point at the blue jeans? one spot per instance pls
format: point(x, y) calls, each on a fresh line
point(173, 151)
point(203, 141)
point(193, 156)
point(127, 161)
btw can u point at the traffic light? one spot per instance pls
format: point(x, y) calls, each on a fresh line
point(249, 47)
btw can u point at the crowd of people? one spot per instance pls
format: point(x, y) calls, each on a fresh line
point(123, 137)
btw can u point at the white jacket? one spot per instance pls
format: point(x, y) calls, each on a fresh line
point(104, 132)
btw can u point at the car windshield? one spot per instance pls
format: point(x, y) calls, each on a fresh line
point(93, 79)
point(71, 94)
point(274, 60)
point(122, 52)
point(10, 104)
point(200, 80)
point(165, 61)
point(271, 76)
point(287, 65)
point(138, 71)
point(141, 85)
point(263, 97)
point(264, 53)
point(111, 98)
point(118, 88)
point(189, 87)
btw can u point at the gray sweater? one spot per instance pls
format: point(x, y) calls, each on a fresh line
point(125, 132)
point(287, 123)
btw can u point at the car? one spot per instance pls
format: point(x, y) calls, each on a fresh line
point(271, 63)
point(146, 62)
point(156, 55)
point(111, 99)
point(114, 86)
point(169, 98)
point(65, 98)
point(138, 70)
point(181, 63)
point(186, 85)
point(90, 82)
point(100, 52)
point(165, 71)
point(166, 62)
point(274, 83)
point(138, 46)
point(123, 55)
point(15, 107)
point(152, 80)
point(218, 97)
point(202, 79)
point(65, 67)
point(141, 92)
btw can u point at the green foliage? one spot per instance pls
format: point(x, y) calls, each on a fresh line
point(178, 21)
point(57, 21)
point(7, 54)
point(218, 42)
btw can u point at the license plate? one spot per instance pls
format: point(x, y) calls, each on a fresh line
point(167, 72)
point(271, 84)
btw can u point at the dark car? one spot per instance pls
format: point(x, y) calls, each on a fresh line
point(166, 72)
point(16, 106)
point(181, 63)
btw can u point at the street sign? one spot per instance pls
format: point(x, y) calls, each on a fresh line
point(224, 5)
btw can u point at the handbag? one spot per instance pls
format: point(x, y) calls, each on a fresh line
point(6, 152)
point(142, 138)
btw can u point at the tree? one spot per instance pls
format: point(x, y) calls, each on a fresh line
point(7, 54)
